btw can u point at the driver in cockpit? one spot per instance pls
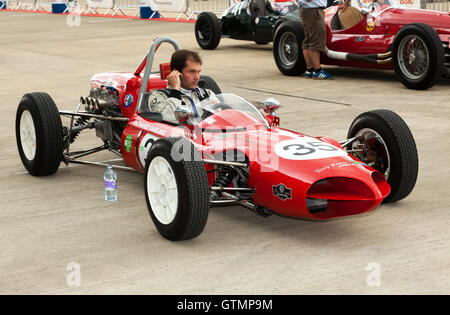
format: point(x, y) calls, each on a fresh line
point(183, 90)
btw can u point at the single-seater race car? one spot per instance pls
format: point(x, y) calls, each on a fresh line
point(415, 43)
point(232, 154)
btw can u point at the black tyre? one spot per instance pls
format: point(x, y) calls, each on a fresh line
point(418, 56)
point(210, 84)
point(39, 134)
point(176, 189)
point(207, 30)
point(287, 48)
point(389, 147)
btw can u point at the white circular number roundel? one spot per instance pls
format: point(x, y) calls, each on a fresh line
point(146, 143)
point(306, 148)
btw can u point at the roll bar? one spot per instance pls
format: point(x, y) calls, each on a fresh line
point(148, 62)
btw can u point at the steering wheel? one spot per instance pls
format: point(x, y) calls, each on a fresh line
point(215, 108)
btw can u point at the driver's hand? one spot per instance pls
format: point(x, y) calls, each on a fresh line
point(174, 79)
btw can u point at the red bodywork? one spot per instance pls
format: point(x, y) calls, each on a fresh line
point(361, 39)
point(351, 187)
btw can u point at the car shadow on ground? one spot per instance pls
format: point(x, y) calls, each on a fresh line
point(246, 45)
point(362, 74)
point(241, 220)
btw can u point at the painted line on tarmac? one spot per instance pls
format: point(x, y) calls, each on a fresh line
point(294, 96)
point(104, 21)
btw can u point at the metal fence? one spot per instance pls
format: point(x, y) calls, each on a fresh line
point(437, 5)
point(193, 7)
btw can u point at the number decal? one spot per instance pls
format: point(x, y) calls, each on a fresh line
point(145, 145)
point(307, 148)
point(300, 149)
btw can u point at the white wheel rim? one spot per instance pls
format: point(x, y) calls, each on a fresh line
point(162, 190)
point(28, 135)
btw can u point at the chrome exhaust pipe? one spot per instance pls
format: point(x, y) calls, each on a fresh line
point(382, 58)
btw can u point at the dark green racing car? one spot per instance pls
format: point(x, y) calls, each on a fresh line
point(252, 20)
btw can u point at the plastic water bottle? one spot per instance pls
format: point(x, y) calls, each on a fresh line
point(110, 178)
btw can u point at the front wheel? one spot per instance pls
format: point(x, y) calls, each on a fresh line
point(287, 48)
point(207, 30)
point(418, 56)
point(39, 134)
point(386, 144)
point(176, 189)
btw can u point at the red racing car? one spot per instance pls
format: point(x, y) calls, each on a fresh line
point(232, 155)
point(415, 43)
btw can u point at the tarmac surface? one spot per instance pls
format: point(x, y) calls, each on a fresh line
point(51, 227)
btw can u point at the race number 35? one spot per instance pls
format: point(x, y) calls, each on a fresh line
point(306, 148)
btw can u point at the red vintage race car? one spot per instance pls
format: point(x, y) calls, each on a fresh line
point(232, 155)
point(415, 43)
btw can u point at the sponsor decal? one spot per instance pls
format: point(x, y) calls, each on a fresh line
point(128, 100)
point(147, 127)
point(359, 39)
point(359, 163)
point(128, 143)
point(339, 165)
point(370, 25)
point(282, 192)
point(307, 148)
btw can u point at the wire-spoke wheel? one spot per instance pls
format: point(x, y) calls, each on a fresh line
point(418, 56)
point(287, 48)
point(414, 57)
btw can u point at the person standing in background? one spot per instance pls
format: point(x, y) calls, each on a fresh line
point(312, 17)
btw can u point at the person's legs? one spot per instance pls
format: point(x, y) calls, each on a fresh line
point(308, 61)
point(314, 57)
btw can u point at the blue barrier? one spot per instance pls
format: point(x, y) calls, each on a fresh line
point(59, 8)
point(148, 13)
point(2, 5)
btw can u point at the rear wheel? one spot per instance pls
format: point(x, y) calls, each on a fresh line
point(387, 145)
point(207, 30)
point(418, 56)
point(287, 48)
point(39, 134)
point(210, 84)
point(176, 189)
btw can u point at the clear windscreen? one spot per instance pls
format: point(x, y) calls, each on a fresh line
point(227, 105)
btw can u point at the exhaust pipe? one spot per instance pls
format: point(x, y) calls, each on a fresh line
point(382, 58)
